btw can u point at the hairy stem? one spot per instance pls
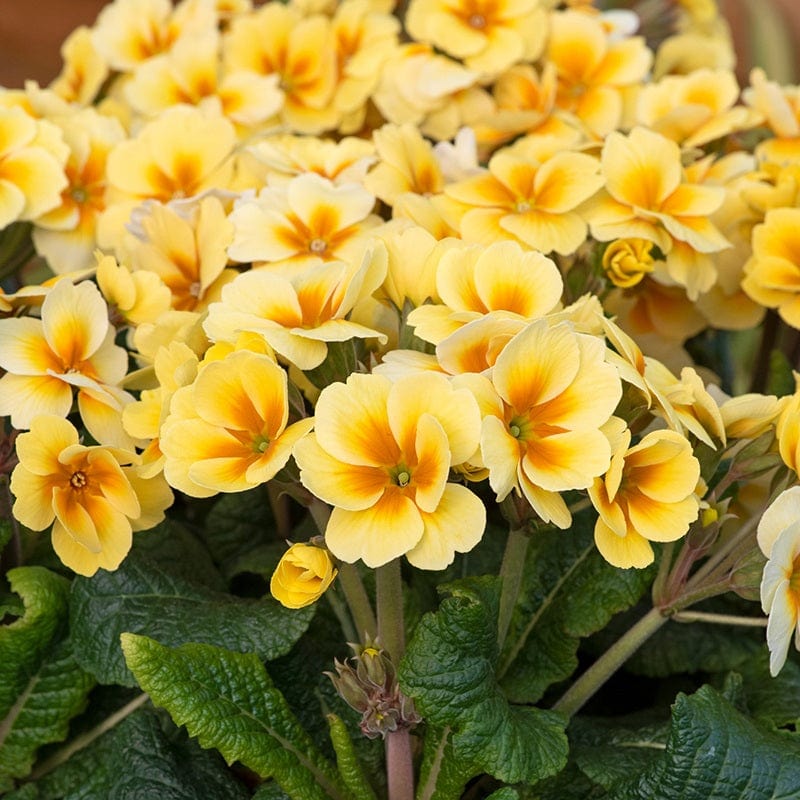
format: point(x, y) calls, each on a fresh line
point(720, 619)
point(511, 572)
point(584, 688)
point(358, 601)
point(391, 632)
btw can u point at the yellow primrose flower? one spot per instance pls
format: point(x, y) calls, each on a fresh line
point(695, 109)
point(555, 391)
point(473, 280)
point(306, 221)
point(779, 540)
point(175, 366)
point(190, 73)
point(487, 35)
point(72, 345)
point(185, 245)
point(281, 158)
point(406, 163)
point(417, 85)
point(787, 429)
point(227, 431)
point(84, 70)
point(84, 491)
point(627, 261)
point(129, 32)
point(647, 196)
point(771, 274)
point(381, 456)
point(364, 38)
point(530, 195)
point(297, 316)
point(780, 106)
point(31, 172)
point(66, 236)
point(747, 416)
point(135, 297)
point(278, 39)
point(182, 153)
point(647, 495)
point(302, 576)
point(594, 68)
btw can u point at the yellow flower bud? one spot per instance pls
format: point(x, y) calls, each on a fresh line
point(302, 576)
point(627, 261)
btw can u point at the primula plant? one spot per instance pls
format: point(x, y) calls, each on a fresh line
point(400, 403)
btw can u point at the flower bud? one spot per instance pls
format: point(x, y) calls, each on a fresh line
point(368, 683)
point(302, 576)
point(627, 261)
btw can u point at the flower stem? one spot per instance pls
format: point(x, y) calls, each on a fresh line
point(720, 619)
point(511, 572)
point(399, 765)
point(389, 591)
point(584, 688)
point(358, 601)
point(389, 598)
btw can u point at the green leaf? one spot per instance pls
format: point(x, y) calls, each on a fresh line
point(237, 523)
point(180, 552)
point(609, 751)
point(54, 695)
point(716, 753)
point(228, 702)
point(142, 597)
point(347, 761)
point(270, 791)
point(506, 793)
point(569, 784)
point(25, 642)
point(568, 592)
point(775, 701)
point(449, 670)
point(442, 775)
point(6, 532)
point(138, 760)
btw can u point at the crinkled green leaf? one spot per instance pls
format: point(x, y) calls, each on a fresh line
point(609, 751)
point(449, 670)
point(568, 592)
point(238, 523)
point(180, 552)
point(506, 793)
point(772, 700)
point(228, 702)
point(569, 784)
point(25, 642)
point(138, 760)
point(270, 791)
point(442, 775)
point(53, 696)
point(143, 597)
point(350, 768)
point(716, 753)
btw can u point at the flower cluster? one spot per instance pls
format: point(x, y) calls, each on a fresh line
point(424, 268)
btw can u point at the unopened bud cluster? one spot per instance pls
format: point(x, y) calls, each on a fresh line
point(368, 683)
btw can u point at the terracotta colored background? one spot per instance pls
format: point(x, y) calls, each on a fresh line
point(31, 32)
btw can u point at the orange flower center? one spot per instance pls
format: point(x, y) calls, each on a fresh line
point(477, 21)
point(78, 480)
point(318, 245)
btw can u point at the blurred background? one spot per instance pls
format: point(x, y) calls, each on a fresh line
point(766, 33)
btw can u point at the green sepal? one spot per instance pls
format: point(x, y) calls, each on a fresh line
point(228, 702)
point(142, 597)
point(353, 775)
point(449, 671)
